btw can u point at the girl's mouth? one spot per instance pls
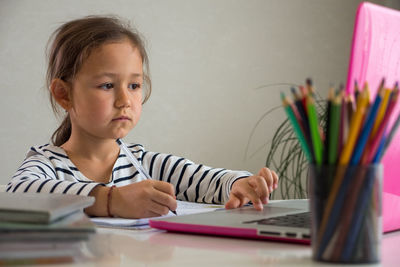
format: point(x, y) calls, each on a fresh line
point(122, 118)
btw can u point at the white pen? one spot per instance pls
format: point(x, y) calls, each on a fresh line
point(135, 162)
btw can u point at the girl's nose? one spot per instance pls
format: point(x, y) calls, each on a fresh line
point(122, 99)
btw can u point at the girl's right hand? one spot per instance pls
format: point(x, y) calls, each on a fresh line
point(144, 199)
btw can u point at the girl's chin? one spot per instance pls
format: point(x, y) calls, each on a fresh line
point(120, 135)
point(117, 136)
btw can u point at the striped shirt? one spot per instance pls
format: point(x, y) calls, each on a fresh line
point(48, 169)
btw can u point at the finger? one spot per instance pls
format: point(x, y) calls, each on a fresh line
point(260, 187)
point(158, 208)
point(249, 192)
point(266, 173)
point(233, 202)
point(164, 187)
point(164, 200)
point(276, 179)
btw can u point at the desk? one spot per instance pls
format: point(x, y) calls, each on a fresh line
point(150, 247)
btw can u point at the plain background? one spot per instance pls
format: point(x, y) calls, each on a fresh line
point(217, 67)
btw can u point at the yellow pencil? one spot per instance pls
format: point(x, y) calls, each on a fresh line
point(381, 111)
point(355, 125)
point(366, 88)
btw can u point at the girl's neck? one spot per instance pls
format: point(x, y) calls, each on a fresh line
point(89, 148)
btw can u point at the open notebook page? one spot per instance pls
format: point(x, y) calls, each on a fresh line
point(183, 209)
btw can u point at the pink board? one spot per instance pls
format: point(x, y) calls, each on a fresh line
point(375, 54)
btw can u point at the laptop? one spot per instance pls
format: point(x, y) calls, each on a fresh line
point(284, 220)
point(375, 54)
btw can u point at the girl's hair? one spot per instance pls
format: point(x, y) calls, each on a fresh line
point(71, 45)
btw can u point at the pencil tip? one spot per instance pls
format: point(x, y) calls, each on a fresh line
point(331, 93)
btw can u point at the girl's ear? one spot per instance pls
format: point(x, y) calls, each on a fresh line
point(61, 93)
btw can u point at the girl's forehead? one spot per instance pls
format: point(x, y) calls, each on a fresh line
point(113, 48)
point(122, 56)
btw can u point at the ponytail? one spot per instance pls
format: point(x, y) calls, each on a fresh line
point(63, 132)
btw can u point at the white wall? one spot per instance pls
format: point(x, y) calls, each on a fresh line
point(207, 58)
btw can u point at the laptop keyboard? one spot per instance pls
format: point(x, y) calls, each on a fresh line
point(302, 220)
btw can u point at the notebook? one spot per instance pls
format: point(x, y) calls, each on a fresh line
point(40, 208)
point(375, 53)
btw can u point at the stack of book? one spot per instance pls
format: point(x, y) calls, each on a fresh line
point(42, 228)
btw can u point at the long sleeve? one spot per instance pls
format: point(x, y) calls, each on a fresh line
point(48, 169)
point(38, 174)
point(192, 182)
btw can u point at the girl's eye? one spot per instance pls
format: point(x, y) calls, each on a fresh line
point(134, 86)
point(106, 86)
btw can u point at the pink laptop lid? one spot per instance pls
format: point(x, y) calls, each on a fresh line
point(375, 54)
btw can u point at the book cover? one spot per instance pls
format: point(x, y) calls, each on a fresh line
point(40, 207)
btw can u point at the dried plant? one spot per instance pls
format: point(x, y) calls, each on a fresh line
point(286, 157)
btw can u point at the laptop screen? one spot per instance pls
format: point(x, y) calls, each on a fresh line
point(375, 54)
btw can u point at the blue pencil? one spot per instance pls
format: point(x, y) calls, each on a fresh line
point(379, 153)
point(334, 215)
point(359, 214)
point(364, 135)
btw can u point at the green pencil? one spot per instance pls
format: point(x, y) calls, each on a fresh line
point(314, 129)
point(292, 118)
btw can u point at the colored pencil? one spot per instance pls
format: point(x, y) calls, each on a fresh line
point(364, 135)
point(350, 107)
point(302, 113)
point(304, 94)
point(377, 139)
point(379, 153)
point(334, 205)
point(334, 130)
point(381, 111)
point(392, 132)
point(355, 126)
point(356, 135)
point(292, 118)
point(343, 124)
point(334, 202)
point(328, 124)
point(395, 126)
point(359, 214)
point(356, 90)
point(314, 129)
point(348, 209)
point(309, 87)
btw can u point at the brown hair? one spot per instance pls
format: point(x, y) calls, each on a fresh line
point(73, 42)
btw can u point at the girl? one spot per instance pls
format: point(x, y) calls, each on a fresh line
point(97, 71)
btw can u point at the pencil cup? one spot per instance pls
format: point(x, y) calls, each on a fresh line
point(346, 212)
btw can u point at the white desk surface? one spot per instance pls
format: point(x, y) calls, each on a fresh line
point(120, 247)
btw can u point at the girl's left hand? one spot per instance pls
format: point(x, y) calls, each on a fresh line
point(253, 188)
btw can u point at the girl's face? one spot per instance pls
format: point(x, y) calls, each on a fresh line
point(107, 92)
